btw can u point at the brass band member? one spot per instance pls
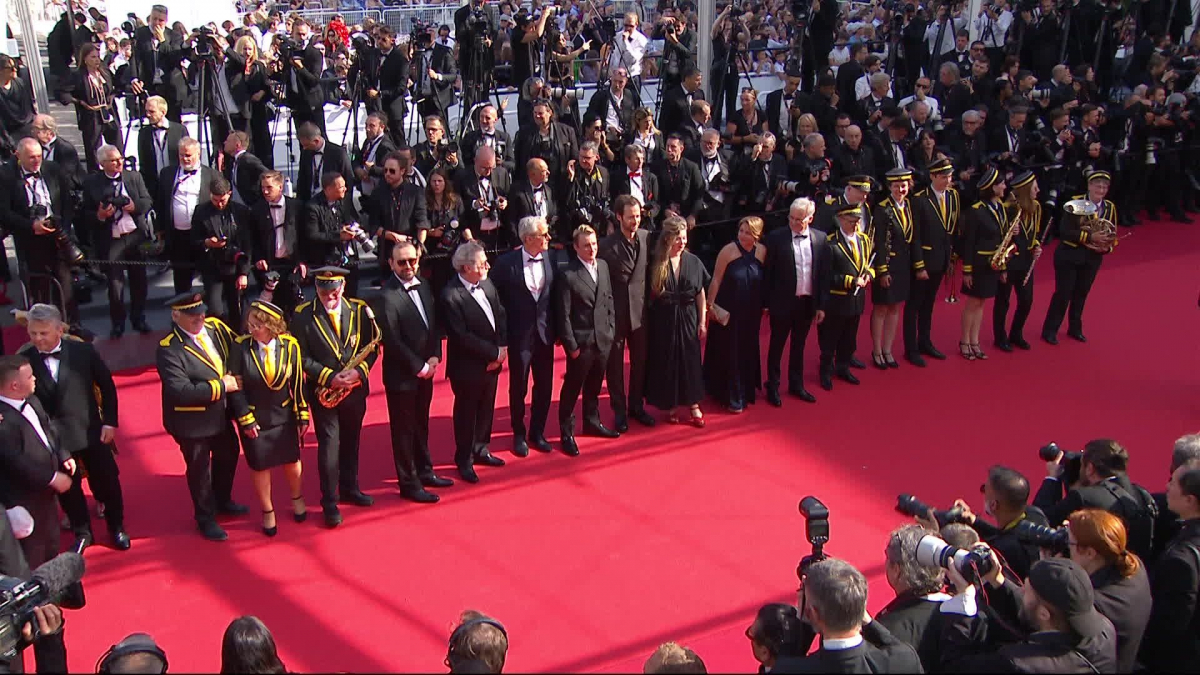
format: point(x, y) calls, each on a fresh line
point(896, 262)
point(268, 363)
point(1077, 261)
point(193, 364)
point(983, 231)
point(334, 330)
point(1029, 248)
point(850, 271)
point(937, 209)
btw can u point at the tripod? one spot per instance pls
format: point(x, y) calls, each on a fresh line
point(208, 69)
point(477, 84)
point(355, 99)
point(418, 57)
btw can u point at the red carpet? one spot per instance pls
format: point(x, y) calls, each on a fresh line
point(665, 534)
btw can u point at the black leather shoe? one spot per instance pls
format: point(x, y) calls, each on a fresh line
point(598, 429)
point(933, 353)
point(1003, 346)
point(773, 397)
point(540, 443)
point(643, 418)
point(520, 447)
point(803, 395)
point(855, 363)
point(233, 509)
point(1049, 338)
point(826, 382)
point(356, 497)
point(488, 459)
point(621, 423)
point(142, 327)
point(432, 480)
point(569, 447)
point(1020, 343)
point(82, 541)
point(468, 474)
point(121, 540)
point(1077, 335)
point(116, 332)
point(421, 496)
point(847, 376)
point(915, 359)
point(333, 517)
point(211, 531)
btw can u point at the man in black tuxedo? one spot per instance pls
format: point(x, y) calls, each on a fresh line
point(587, 326)
point(367, 161)
point(181, 188)
point(158, 142)
point(677, 103)
point(396, 208)
point(587, 193)
point(546, 139)
point(275, 232)
point(487, 134)
point(484, 189)
point(524, 279)
point(317, 158)
point(682, 185)
point(77, 392)
point(157, 67)
point(301, 77)
point(534, 197)
point(615, 105)
point(225, 228)
point(412, 352)
point(718, 171)
point(627, 253)
point(330, 221)
point(783, 106)
point(242, 169)
point(433, 75)
point(117, 233)
point(29, 453)
point(57, 150)
point(476, 349)
point(794, 289)
point(636, 179)
point(693, 129)
point(31, 181)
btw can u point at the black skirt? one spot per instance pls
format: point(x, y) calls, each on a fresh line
point(900, 268)
point(985, 281)
point(275, 446)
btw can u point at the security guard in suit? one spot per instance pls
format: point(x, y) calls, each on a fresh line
point(936, 210)
point(337, 337)
point(1077, 261)
point(850, 270)
point(192, 363)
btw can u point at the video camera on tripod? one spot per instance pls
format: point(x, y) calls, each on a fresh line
point(421, 33)
point(204, 39)
point(18, 599)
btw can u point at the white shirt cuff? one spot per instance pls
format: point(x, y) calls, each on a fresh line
point(963, 603)
point(424, 370)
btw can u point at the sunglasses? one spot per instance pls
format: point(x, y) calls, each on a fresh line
point(406, 262)
point(390, 170)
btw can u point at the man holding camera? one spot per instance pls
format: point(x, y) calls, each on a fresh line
point(434, 75)
point(331, 230)
point(276, 248)
point(587, 192)
point(487, 134)
point(475, 26)
point(484, 189)
point(913, 615)
point(157, 68)
point(301, 76)
point(551, 141)
point(47, 620)
point(1005, 493)
point(224, 227)
point(679, 42)
point(115, 203)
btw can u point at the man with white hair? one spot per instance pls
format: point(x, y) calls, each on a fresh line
point(54, 149)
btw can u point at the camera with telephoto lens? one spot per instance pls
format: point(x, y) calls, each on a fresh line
point(911, 506)
point(973, 564)
point(49, 584)
point(421, 36)
point(1072, 462)
point(816, 531)
point(362, 43)
point(570, 93)
point(1053, 539)
point(363, 239)
point(288, 47)
point(67, 248)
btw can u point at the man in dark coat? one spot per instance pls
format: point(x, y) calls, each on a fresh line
point(157, 68)
point(158, 142)
point(242, 169)
point(225, 229)
point(317, 158)
point(181, 188)
point(677, 103)
point(275, 232)
point(1172, 639)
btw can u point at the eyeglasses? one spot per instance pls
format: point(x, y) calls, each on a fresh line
point(406, 262)
point(390, 171)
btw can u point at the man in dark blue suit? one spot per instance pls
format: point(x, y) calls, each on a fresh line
point(523, 279)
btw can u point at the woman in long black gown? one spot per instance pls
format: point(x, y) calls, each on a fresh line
point(267, 361)
point(675, 322)
point(91, 90)
point(732, 368)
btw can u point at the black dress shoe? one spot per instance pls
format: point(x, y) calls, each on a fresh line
point(142, 327)
point(933, 353)
point(847, 376)
point(121, 540)
point(432, 480)
point(598, 429)
point(333, 517)
point(773, 397)
point(915, 359)
point(356, 497)
point(488, 459)
point(569, 447)
point(1049, 338)
point(855, 363)
point(211, 531)
point(621, 423)
point(1077, 335)
point(1003, 346)
point(468, 474)
point(1020, 343)
point(116, 332)
point(802, 394)
point(520, 447)
point(421, 496)
point(826, 382)
point(540, 443)
point(232, 509)
point(643, 418)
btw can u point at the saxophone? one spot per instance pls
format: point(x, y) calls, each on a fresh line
point(330, 397)
point(1007, 248)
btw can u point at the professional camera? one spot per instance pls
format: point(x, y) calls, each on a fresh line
point(118, 202)
point(933, 551)
point(362, 238)
point(1053, 539)
point(362, 42)
point(288, 48)
point(19, 598)
point(69, 251)
point(204, 38)
point(570, 93)
point(911, 506)
point(1039, 93)
point(227, 254)
point(422, 33)
point(816, 530)
point(1072, 462)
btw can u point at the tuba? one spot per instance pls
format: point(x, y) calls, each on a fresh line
point(1007, 248)
point(1092, 223)
point(330, 397)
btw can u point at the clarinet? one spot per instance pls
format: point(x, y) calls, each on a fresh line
point(1041, 243)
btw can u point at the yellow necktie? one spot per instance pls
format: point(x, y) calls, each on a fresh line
point(210, 350)
point(269, 363)
point(335, 318)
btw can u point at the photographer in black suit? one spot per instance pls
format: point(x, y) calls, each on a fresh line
point(157, 69)
point(301, 76)
point(912, 616)
point(330, 227)
point(412, 351)
point(47, 619)
point(318, 157)
point(546, 139)
point(242, 169)
point(275, 234)
point(77, 392)
point(484, 189)
point(224, 227)
point(487, 134)
point(587, 193)
point(682, 187)
point(534, 197)
point(115, 203)
point(396, 208)
point(677, 102)
point(1005, 499)
point(367, 161)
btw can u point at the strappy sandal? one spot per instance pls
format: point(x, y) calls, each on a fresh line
point(978, 353)
point(964, 350)
point(697, 418)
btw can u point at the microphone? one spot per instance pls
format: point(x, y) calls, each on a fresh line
point(59, 573)
point(18, 599)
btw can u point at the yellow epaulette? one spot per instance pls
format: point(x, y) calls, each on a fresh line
point(1079, 197)
point(922, 193)
point(978, 205)
point(830, 200)
point(214, 321)
point(241, 338)
point(356, 301)
point(831, 236)
point(166, 342)
point(303, 306)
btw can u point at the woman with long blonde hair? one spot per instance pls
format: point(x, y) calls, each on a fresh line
point(732, 367)
point(250, 85)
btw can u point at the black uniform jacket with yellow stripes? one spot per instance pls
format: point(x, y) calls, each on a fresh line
point(193, 395)
point(271, 398)
point(324, 350)
point(982, 234)
point(847, 263)
point(1027, 239)
point(902, 250)
point(937, 226)
point(1073, 235)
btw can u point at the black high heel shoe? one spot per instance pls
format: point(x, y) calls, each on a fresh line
point(299, 516)
point(879, 361)
point(269, 531)
point(890, 360)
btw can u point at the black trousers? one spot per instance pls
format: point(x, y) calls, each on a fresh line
point(794, 323)
point(184, 256)
point(539, 360)
point(396, 109)
point(95, 133)
point(103, 477)
point(211, 485)
point(286, 292)
point(224, 300)
point(49, 652)
point(1074, 272)
point(584, 374)
point(43, 272)
point(127, 247)
point(1024, 293)
point(838, 338)
point(408, 417)
point(260, 135)
point(302, 112)
point(338, 431)
point(621, 403)
point(918, 312)
point(474, 405)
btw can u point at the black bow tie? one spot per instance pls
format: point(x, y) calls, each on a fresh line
point(540, 188)
point(191, 172)
point(318, 153)
point(54, 353)
point(36, 175)
point(799, 236)
point(534, 260)
point(412, 286)
point(24, 405)
point(160, 127)
point(277, 206)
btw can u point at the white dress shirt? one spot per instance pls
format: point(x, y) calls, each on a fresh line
point(635, 185)
point(628, 52)
point(53, 360)
point(841, 644)
point(278, 211)
point(592, 270)
point(123, 224)
point(30, 415)
point(480, 298)
point(184, 197)
point(410, 287)
point(268, 348)
point(802, 252)
point(371, 148)
point(613, 118)
point(534, 272)
point(36, 190)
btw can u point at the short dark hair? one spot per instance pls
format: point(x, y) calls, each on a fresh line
point(780, 630)
point(10, 365)
point(329, 177)
point(308, 130)
point(249, 647)
point(1009, 485)
point(623, 202)
point(1106, 456)
point(1189, 484)
point(219, 186)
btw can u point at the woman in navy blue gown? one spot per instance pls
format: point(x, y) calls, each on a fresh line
point(732, 367)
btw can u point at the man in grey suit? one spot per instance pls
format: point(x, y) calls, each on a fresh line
point(586, 326)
